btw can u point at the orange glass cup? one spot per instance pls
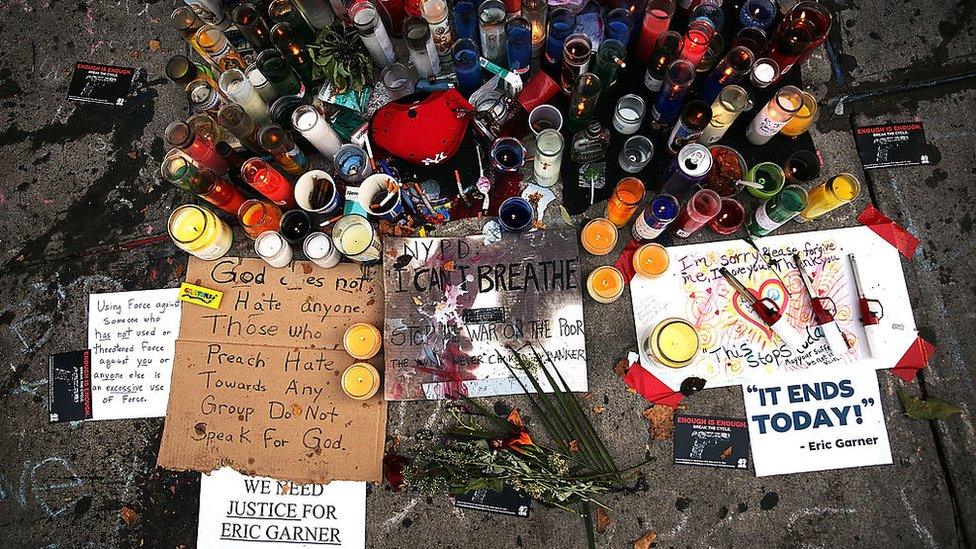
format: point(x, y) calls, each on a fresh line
point(258, 216)
point(599, 236)
point(623, 203)
point(651, 260)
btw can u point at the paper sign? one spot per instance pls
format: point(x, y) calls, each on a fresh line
point(236, 509)
point(258, 380)
point(507, 502)
point(102, 84)
point(736, 346)
point(711, 441)
point(892, 145)
point(69, 386)
point(131, 336)
point(453, 304)
point(817, 419)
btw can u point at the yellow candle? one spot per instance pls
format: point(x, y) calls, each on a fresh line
point(198, 231)
point(362, 341)
point(599, 236)
point(673, 342)
point(803, 118)
point(651, 260)
point(360, 381)
point(830, 195)
point(605, 284)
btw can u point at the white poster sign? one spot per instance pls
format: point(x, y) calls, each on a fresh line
point(816, 419)
point(238, 510)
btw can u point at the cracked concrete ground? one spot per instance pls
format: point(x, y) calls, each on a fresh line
point(79, 182)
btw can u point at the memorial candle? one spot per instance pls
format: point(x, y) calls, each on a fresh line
point(176, 169)
point(360, 381)
point(673, 342)
point(548, 157)
point(466, 20)
point(295, 226)
point(779, 209)
point(204, 97)
point(199, 148)
point(790, 43)
point(319, 249)
point(238, 122)
point(272, 65)
point(275, 140)
point(576, 58)
point(258, 216)
point(187, 23)
point(605, 284)
point(372, 32)
point(599, 236)
point(676, 82)
point(609, 60)
point(356, 239)
point(217, 191)
point(764, 72)
point(491, 17)
point(619, 21)
point(655, 218)
point(730, 217)
point(293, 52)
point(752, 38)
point(273, 249)
point(218, 48)
point(830, 195)
point(770, 176)
point(730, 70)
point(536, 11)
point(436, 13)
point(199, 232)
point(318, 14)
point(666, 50)
point(269, 182)
point(420, 43)
point(817, 17)
point(518, 44)
point(657, 17)
point(623, 203)
point(774, 115)
point(584, 99)
point(700, 209)
point(651, 260)
point(695, 42)
point(316, 130)
point(284, 11)
point(362, 341)
point(247, 18)
point(469, 77)
point(757, 13)
point(732, 100)
point(803, 118)
point(561, 24)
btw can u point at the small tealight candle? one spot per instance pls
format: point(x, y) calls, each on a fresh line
point(599, 236)
point(319, 249)
point(273, 248)
point(651, 260)
point(605, 284)
point(360, 381)
point(362, 341)
point(673, 342)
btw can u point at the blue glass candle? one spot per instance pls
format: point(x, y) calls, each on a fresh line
point(519, 44)
point(465, 20)
point(618, 25)
point(757, 14)
point(656, 217)
point(677, 79)
point(469, 77)
point(712, 14)
point(515, 214)
point(561, 25)
point(730, 70)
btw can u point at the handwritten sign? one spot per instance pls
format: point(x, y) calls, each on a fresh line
point(259, 378)
point(131, 336)
point(736, 346)
point(453, 303)
point(817, 419)
point(235, 508)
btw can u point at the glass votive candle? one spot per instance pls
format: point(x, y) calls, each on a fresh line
point(398, 80)
point(465, 20)
point(665, 52)
point(757, 13)
point(770, 176)
point(319, 249)
point(629, 114)
point(515, 214)
point(576, 58)
point(548, 157)
point(751, 37)
point(362, 341)
point(360, 381)
point(356, 239)
point(651, 260)
point(258, 216)
point(295, 226)
point(700, 209)
point(765, 71)
point(562, 21)
point(584, 99)
point(655, 218)
point(804, 118)
point(673, 342)
point(610, 59)
point(801, 167)
point(656, 19)
point(491, 17)
point(677, 79)
point(518, 44)
point(273, 249)
point(269, 182)
point(599, 236)
point(774, 115)
point(352, 163)
point(730, 217)
point(177, 169)
point(198, 231)
point(829, 196)
point(619, 22)
point(217, 191)
point(316, 130)
point(605, 284)
point(696, 39)
point(317, 192)
point(635, 154)
point(623, 203)
point(465, 55)
point(732, 101)
point(728, 168)
point(730, 70)
point(545, 117)
point(776, 211)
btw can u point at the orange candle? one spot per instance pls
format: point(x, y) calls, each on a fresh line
point(362, 341)
point(624, 201)
point(599, 236)
point(360, 381)
point(651, 260)
point(605, 284)
point(258, 216)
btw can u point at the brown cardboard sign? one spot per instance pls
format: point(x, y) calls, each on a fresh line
point(256, 383)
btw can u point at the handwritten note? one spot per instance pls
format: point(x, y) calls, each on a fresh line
point(132, 336)
point(235, 508)
point(259, 379)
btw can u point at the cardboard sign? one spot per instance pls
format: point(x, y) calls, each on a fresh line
point(69, 386)
point(452, 304)
point(235, 509)
point(258, 380)
point(102, 84)
point(892, 145)
point(736, 347)
point(814, 420)
point(711, 441)
point(132, 336)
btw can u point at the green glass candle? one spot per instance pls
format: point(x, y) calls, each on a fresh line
point(778, 210)
point(770, 176)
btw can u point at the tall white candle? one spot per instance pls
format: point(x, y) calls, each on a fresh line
point(239, 89)
point(313, 126)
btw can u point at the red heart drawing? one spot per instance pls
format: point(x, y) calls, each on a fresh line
point(772, 289)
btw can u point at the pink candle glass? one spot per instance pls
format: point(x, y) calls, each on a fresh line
point(696, 40)
point(702, 207)
point(657, 17)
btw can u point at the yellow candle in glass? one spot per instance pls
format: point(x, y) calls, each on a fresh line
point(198, 231)
point(673, 342)
point(605, 284)
point(362, 341)
point(360, 381)
point(651, 260)
point(599, 236)
point(803, 118)
point(830, 195)
point(624, 201)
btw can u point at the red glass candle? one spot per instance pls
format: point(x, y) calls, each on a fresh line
point(789, 45)
point(730, 217)
point(702, 207)
point(807, 23)
point(196, 146)
point(820, 19)
point(269, 182)
point(395, 13)
point(696, 40)
point(656, 21)
point(217, 191)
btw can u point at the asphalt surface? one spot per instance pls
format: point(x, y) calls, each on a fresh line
point(82, 207)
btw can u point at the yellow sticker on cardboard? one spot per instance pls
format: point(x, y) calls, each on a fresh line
point(191, 293)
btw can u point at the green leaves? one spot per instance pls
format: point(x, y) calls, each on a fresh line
point(340, 57)
point(932, 408)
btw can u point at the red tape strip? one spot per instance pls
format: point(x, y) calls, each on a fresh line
point(893, 233)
